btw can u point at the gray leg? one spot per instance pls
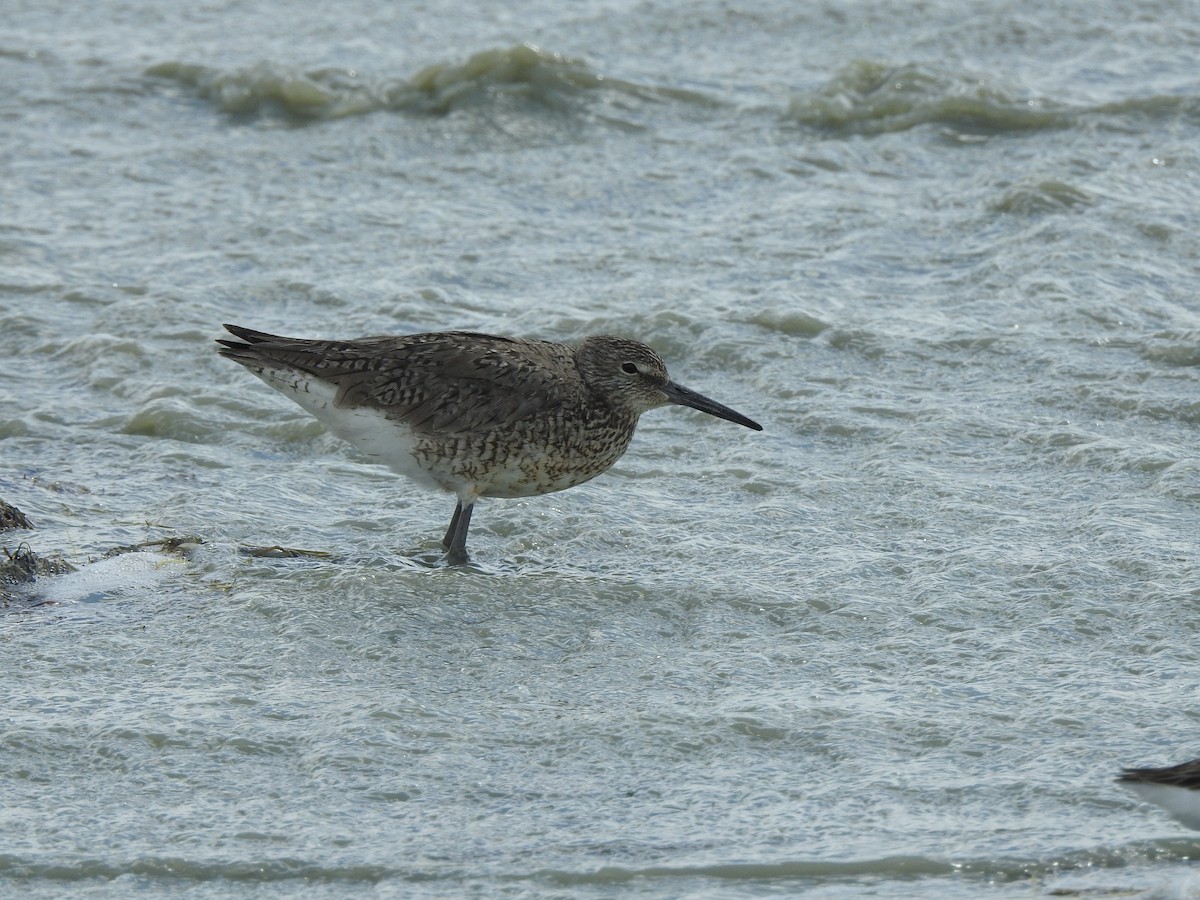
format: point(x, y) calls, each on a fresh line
point(453, 526)
point(459, 524)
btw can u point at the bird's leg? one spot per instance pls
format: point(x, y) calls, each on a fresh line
point(453, 526)
point(457, 554)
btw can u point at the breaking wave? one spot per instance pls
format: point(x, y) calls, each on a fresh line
point(870, 97)
point(520, 74)
point(865, 97)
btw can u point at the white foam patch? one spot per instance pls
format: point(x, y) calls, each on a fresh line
point(104, 578)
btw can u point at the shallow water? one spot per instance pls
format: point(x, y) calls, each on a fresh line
point(896, 644)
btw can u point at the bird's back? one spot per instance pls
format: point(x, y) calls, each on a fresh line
point(447, 382)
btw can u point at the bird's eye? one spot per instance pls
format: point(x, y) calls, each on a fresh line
point(629, 368)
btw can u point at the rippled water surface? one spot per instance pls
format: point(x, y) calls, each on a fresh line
point(896, 644)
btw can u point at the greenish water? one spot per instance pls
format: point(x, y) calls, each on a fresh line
point(896, 644)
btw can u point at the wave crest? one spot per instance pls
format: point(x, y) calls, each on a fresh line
point(247, 91)
point(869, 97)
point(525, 70)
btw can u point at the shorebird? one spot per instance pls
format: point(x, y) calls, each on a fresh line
point(474, 414)
point(1175, 788)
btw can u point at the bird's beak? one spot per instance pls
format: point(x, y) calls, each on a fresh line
point(686, 397)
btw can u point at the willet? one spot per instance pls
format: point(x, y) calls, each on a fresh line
point(474, 414)
point(1175, 788)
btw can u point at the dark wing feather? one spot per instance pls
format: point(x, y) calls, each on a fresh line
point(1185, 775)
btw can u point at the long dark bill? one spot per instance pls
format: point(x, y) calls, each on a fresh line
point(686, 397)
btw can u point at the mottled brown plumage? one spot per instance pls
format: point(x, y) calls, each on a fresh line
point(474, 414)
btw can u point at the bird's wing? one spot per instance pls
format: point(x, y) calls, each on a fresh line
point(444, 382)
point(1185, 775)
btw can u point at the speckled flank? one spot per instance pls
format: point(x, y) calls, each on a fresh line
point(475, 414)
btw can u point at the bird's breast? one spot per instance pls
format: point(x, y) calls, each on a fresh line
point(539, 456)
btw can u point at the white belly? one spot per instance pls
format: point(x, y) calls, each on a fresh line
point(381, 439)
point(1180, 802)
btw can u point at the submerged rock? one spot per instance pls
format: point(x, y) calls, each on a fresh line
point(11, 517)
